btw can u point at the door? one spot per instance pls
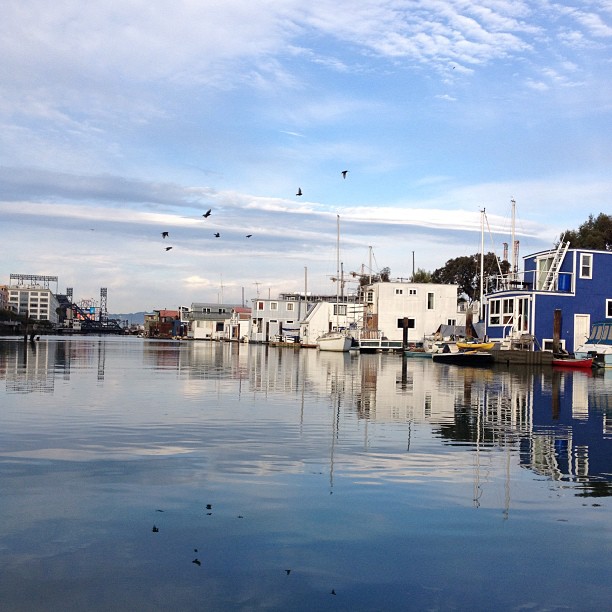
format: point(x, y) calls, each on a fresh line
point(582, 328)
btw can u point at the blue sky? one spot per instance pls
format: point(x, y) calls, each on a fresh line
point(120, 120)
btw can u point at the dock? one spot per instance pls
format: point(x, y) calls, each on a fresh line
point(520, 357)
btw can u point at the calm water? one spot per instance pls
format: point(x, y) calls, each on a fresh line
point(297, 480)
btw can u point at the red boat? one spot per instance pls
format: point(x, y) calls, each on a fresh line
point(571, 362)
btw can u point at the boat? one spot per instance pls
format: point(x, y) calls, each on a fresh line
point(336, 340)
point(414, 350)
point(598, 345)
point(465, 358)
point(475, 345)
point(573, 362)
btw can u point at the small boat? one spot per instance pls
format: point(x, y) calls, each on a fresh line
point(573, 362)
point(475, 345)
point(478, 359)
point(417, 353)
point(334, 341)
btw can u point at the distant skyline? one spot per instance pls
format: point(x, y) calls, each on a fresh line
point(122, 120)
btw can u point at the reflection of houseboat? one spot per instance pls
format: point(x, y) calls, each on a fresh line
point(599, 345)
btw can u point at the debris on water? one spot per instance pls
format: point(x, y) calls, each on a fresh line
point(155, 529)
point(197, 561)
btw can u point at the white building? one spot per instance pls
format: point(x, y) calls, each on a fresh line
point(330, 316)
point(34, 300)
point(426, 306)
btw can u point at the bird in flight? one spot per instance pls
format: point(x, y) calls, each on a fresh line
point(165, 234)
point(299, 191)
point(168, 248)
point(344, 173)
point(207, 213)
point(217, 235)
point(249, 235)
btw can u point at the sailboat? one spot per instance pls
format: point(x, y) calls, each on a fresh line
point(336, 340)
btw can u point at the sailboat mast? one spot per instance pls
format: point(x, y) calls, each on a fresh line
point(337, 269)
point(481, 264)
point(514, 262)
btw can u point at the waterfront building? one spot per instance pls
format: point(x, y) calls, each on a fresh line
point(34, 299)
point(571, 286)
point(275, 319)
point(162, 324)
point(210, 321)
point(426, 306)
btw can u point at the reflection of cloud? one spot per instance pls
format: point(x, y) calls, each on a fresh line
point(95, 453)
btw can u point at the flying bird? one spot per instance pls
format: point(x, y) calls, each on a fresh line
point(249, 235)
point(165, 234)
point(207, 213)
point(344, 173)
point(299, 191)
point(168, 248)
point(217, 235)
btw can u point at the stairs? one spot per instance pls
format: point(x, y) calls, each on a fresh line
point(550, 282)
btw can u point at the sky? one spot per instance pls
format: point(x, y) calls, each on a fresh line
point(121, 120)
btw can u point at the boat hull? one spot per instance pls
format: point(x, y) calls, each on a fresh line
point(586, 363)
point(480, 359)
point(338, 343)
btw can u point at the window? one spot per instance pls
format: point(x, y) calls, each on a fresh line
point(430, 301)
point(290, 306)
point(206, 310)
point(452, 322)
point(586, 265)
point(508, 310)
point(260, 305)
point(608, 308)
point(273, 305)
point(494, 312)
point(399, 291)
point(370, 297)
point(412, 291)
point(340, 309)
point(547, 344)
point(543, 265)
point(411, 323)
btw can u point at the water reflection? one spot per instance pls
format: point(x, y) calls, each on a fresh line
point(383, 479)
point(561, 421)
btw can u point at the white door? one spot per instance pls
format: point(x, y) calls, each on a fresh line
point(582, 328)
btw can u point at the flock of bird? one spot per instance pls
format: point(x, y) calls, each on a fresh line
point(207, 214)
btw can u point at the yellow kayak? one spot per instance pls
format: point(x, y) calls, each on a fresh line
point(476, 346)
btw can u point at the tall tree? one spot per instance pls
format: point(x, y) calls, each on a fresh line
point(465, 272)
point(421, 276)
point(595, 233)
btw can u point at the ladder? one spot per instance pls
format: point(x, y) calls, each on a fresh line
point(553, 272)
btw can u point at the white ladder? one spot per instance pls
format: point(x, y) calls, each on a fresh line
point(553, 272)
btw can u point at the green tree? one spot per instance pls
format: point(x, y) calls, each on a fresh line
point(595, 233)
point(465, 272)
point(421, 276)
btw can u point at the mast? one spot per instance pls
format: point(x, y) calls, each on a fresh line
point(514, 262)
point(337, 269)
point(482, 216)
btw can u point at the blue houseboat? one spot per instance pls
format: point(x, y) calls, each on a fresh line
point(572, 285)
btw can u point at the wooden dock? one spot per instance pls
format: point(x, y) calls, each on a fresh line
point(519, 357)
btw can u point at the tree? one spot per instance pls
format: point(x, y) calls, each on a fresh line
point(384, 276)
point(596, 233)
point(465, 272)
point(421, 276)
